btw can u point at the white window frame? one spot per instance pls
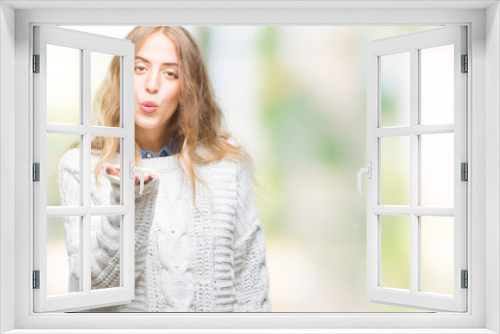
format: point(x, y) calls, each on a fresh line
point(85, 43)
point(483, 21)
point(412, 44)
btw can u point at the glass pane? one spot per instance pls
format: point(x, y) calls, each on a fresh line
point(437, 170)
point(57, 145)
point(105, 89)
point(436, 251)
point(63, 84)
point(395, 170)
point(395, 89)
point(436, 85)
point(106, 192)
point(63, 238)
point(395, 252)
point(105, 261)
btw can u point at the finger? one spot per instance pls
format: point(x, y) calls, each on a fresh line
point(107, 167)
point(147, 178)
point(114, 170)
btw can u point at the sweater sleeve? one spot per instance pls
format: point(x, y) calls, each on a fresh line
point(105, 239)
point(251, 273)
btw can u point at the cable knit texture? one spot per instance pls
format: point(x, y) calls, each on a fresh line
point(186, 261)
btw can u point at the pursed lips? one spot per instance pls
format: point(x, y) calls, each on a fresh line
point(148, 106)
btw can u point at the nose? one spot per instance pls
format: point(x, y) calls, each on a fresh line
point(152, 84)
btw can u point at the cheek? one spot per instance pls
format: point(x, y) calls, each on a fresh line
point(171, 93)
point(137, 85)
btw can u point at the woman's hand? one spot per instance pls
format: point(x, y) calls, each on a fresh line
point(148, 175)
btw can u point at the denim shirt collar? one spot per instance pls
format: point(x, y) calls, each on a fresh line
point(163, 152)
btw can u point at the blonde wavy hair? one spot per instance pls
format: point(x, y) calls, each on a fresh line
point(198, 120)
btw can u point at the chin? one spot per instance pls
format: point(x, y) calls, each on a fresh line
point(150, 123)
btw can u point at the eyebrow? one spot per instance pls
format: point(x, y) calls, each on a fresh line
point(147, 61)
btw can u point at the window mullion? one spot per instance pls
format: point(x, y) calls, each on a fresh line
point(417, 129)
point(128, 154)
point(100, 210)
point(414, 172)
point(100, 131)
point(86, 169)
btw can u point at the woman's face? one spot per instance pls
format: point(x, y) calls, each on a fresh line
point(156, 81)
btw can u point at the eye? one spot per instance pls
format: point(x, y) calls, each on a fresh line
point(140, 69)
point(171, 74)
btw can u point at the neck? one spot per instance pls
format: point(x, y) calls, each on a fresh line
point(151, 139)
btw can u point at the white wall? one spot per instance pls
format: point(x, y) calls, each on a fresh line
point(492, 161)
point(7, 161)
point(22, 108)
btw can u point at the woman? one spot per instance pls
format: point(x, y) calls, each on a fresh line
point(199, 246)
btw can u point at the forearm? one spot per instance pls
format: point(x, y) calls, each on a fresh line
point(145, 204)
point(105, 239)
point(251, 273)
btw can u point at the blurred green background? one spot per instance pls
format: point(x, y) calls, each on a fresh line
point(295, 96)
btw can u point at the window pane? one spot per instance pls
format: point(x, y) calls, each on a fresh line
point(395, 89)
point(436, 251)
point(436, 85)
point(105, 261)
point(63, 85)
point(105, 89)
point(395, 251)
point(437, 170)
point(57, 145)
point(63, 271)
point(106, 193)
point(395, 170)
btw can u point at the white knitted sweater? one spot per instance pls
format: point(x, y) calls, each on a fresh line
point(185, 262)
